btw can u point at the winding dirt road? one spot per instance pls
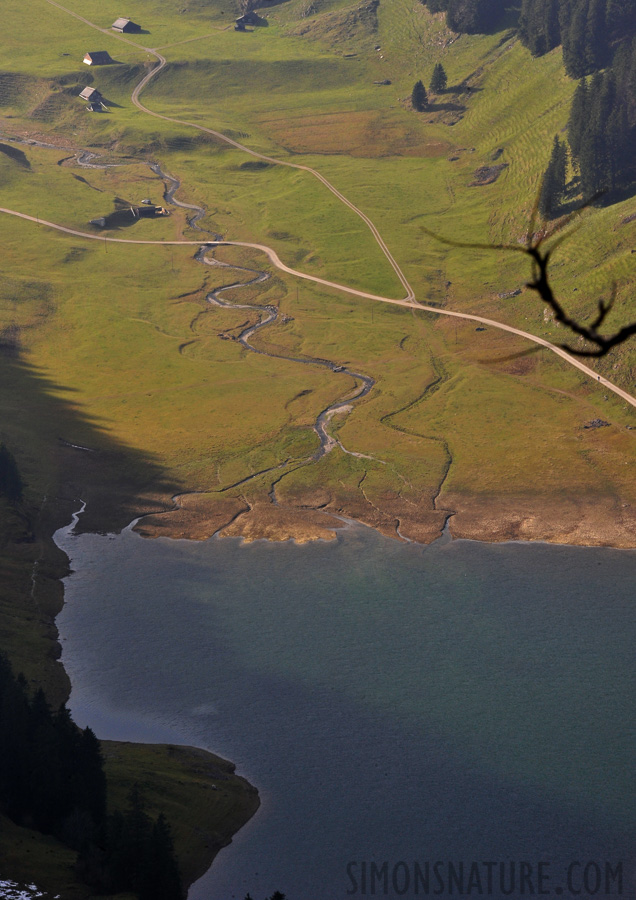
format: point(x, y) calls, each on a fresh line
point(409, 300)
point(277, 262)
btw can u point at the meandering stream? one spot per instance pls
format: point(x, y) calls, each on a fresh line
point(268, 315)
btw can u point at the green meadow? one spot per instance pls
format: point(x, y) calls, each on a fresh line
point(124, 339)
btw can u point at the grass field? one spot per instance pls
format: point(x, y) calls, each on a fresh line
point(115, 349)
point(302, 89)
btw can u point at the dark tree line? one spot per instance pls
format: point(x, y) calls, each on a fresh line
point(470, 16)
point(51, 773)
point(590, 31)
point(598, 38)
point(595, 35)
point(133, 854)
point(275, 896)
point(602, 126)
point(52, 780)
point(601, 134)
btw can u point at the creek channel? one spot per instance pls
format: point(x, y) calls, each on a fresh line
point(269, 315)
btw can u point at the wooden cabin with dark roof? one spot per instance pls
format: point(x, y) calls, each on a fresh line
point(91, 95)
point(248, 18)
point(125, 26)
point(98, 58)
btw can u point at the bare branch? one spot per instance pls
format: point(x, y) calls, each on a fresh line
point(540, 261)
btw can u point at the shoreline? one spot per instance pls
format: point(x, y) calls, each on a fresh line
point(128, 761)
point(601, 521)
point(260, 557)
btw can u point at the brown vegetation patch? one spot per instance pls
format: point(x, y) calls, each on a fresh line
point(366, 133)
point(487, 175)
point(521, 365)
point(196, 518)
point(342, 25)
point(279, 523)
point(595, 521)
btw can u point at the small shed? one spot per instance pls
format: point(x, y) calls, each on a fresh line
point(125, 25)
point(91, 94)
point(98, 58)
point(146, 212)
point(249, 18)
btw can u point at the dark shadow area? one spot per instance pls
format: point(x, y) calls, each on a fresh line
point(256, 165)
point(618, 195)
point(45, 425)
point(463, 88)
point(270, 4)
point(64, 455)
point(84, 181)
point(109, 104)
point(445, 107)
point(125, 214)
point(574, 202)
point(16, 155)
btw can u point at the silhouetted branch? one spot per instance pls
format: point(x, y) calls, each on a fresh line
point(541, 284)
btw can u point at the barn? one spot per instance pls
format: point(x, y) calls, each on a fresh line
point(98, 58)
point(125, 26)
point(92, 95)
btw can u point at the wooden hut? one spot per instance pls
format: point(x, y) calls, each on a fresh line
point(97, 58)
point(125, 26)
point(91, 95)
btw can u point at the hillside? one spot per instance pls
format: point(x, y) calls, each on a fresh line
point(129, 384)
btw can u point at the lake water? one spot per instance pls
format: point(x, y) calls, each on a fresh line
point(393, 703)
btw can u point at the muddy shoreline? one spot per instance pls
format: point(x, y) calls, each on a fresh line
point(580, 522)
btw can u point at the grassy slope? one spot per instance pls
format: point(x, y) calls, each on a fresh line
point(116, 349)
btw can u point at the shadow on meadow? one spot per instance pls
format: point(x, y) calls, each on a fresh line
point(65, 454)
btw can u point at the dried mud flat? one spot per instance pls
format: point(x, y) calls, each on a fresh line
point(579, 521)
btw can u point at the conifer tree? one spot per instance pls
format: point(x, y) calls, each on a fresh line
point(596, 48)
point(159, 877)
point(578, 117)
point(553, 184)
point(473, 16)
point(419, 99)
point(574, 43)
point(439, 79)
point(539, 25)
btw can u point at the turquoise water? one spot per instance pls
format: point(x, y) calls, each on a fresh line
point(393, 703)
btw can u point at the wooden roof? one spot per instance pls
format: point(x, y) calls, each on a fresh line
point(99, 57)
point(90, 93)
